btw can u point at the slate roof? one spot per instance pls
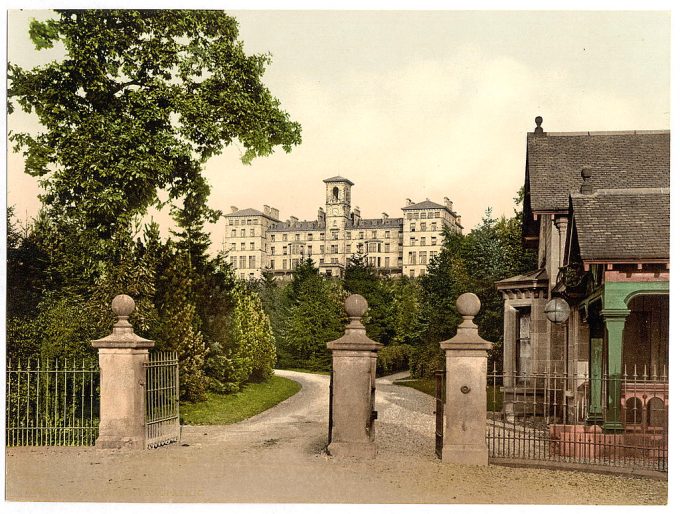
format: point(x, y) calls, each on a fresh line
point(536, 278)
point(338, 178)
point(618, 160)
point(288, 226)
point(623, 224)
point(378, 222)
point(427, 204)
point(245, 212)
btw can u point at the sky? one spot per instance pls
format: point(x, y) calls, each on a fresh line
point(417, 104)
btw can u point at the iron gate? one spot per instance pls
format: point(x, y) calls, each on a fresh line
point(162, 399)
point(51, 402)
point(440, 400)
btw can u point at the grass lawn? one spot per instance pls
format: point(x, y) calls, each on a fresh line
point(224, 409)
point(494, 402)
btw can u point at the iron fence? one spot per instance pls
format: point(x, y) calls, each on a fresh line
point(567, 418)
point(51, 402)
point(440, 401)
point(162, 399)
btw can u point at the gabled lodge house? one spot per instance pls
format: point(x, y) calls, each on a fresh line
point(596, 207)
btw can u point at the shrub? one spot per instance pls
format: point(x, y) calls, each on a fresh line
point(393, 358)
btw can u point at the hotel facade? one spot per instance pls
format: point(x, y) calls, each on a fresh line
point(257, 241)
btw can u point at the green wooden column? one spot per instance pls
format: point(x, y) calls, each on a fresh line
point(614, 321)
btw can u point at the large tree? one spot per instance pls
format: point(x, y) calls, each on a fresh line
point(138, 104)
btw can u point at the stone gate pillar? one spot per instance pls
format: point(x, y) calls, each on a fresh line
point(354, 363)
point(122, 355)
point(465, 408)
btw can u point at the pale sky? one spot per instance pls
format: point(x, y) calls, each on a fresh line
point(416, 104)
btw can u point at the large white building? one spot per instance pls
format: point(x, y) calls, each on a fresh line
point(258, 240)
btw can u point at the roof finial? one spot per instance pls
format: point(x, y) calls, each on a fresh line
point(586, 187)
point(538, 129)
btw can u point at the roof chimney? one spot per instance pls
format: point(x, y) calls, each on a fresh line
point(293, 219)
point(384, 217)
point(409, 202)
point(234, 208)
point(448, 203)
point(538, 129)
point(586, 187)
point(267, 210)
point(274, 213)
point(321, 216)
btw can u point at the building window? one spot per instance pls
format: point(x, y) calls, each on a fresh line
point(252, 232)
point(242, 262)
point(348, 235)
point(273, 250)
point(285, 250)
point(413, 227)
point(271, 264)
point(231, 222)
point(387, 262)
point(284, 237)
point(361, 235)
point(433, 226)
point(232, 260)
point(321, 260)
point(256, 221)
point(523, 344)
point(422, 271)
point(233, 246)
point(309, 249)
point(334, 260)
point(348, 248)
point(243, 246)
point(243, 232)
point(374, 234)
point(322, 236)
point(334, 248)
point(251, 261)
point(422, 241)
point(310, 237)
point(412, 273)
point(422, 258)
point(297, 237)
point(285, 264)
point(436, 214)
point(334, 234)
point(336, 192)
point(243, 222)
point(423, 215)
point(430, 214)
point(233, 233)
point(412, 241)
point(373, 247)
point(423, 226)
point(249, 221)
point(387, 234)
point(321, 248)
point(411, 257)
point(252, 245)
point(371, 261)
point(387, 247)
point(272, 237)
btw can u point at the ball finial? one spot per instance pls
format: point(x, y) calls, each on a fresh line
point(539, 121)
point(468, 304)
point(122, 305)
point(586, 172)
point(355, 305)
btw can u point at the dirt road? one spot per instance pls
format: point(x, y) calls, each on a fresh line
point(278, 457)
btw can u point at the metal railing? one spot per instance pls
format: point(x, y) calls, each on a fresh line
point(51, 403)
point(565, 418)
point(162, 399)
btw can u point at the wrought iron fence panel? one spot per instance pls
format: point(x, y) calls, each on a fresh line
point(51, 402)
point(162, 399)
point(560, 417)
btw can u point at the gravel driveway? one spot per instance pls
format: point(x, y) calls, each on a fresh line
point(278, 457)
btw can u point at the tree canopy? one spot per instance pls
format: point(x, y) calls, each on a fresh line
point(139, 103)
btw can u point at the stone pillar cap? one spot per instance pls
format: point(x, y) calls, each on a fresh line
point(355, 337)
point(123, 334)
point(467, 336)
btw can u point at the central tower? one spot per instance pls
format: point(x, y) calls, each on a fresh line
point(338, 202)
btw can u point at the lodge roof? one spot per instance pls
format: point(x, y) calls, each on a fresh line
point(338, 178)
point(623, 224)
point(536, 278)
point(634, 159)
point(245, 212)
